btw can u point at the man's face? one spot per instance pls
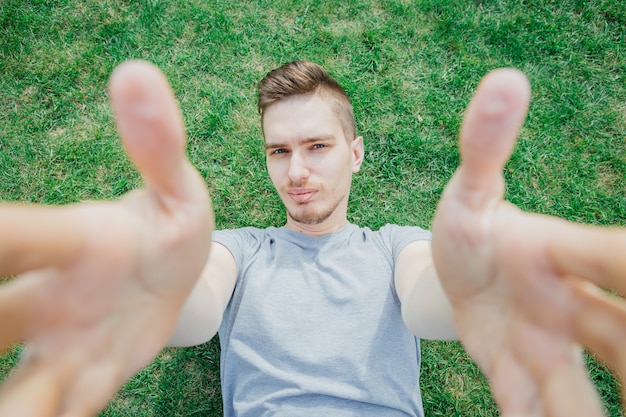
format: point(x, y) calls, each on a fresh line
point(309, 159)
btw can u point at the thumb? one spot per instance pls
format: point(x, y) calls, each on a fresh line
point(151, 127)
point(489, 131)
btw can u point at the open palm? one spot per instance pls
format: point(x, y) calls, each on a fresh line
point(102, 283)
point(515, 304)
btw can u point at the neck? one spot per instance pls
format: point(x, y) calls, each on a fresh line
point(328, 226)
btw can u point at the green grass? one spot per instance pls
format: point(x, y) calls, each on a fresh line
point(410, 67)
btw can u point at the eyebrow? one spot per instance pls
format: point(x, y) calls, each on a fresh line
point(319, 138)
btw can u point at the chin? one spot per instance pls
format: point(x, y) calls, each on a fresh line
point(310, 216)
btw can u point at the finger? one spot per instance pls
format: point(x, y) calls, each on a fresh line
point(92, 390)
point(36, 395)
point(600, 325)
point(16, 313)
point(593, 253)
point(152, 130)
point(513, 387)
point(488, 133)
point(568, 392)
point(20, 308)
point(34, 237)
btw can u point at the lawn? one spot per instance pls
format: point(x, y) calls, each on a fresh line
point(410, 68)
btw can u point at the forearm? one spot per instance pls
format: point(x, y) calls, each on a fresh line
point(426, 309)
point(200, 317)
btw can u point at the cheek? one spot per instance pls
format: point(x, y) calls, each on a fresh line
point(273, 171)
point(342, 177)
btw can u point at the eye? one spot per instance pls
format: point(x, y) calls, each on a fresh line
point(319, 146)
point(278, 151)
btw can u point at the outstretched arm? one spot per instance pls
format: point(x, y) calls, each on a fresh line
point(520, 284)
point(102, 284)
point(202, 313)
point(426, 310)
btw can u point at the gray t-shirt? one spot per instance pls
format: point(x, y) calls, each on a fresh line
point(314, 326)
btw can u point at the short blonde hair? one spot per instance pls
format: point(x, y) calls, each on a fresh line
point(303, 77)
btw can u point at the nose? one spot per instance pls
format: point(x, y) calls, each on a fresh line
point(298, 169)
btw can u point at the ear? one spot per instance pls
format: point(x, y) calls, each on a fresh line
point(358, 153)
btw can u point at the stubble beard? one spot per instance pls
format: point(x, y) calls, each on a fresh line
point(312, 216)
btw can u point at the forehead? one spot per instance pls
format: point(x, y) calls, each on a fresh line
point(301, 117)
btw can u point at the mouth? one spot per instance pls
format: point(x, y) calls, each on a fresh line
point(301, 196)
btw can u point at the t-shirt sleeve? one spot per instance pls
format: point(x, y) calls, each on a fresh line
point(238, 241)
point(400, 236)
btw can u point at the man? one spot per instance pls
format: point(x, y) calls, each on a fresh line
point(313, 322)
point(490, 256)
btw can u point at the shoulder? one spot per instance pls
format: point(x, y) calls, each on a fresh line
point(248, 234)
point(242, 241)
point(395, 230)
point(243, 232)
point(391, 239)
point(398, 237)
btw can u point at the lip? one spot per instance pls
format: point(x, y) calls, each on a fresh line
point(301, 195)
